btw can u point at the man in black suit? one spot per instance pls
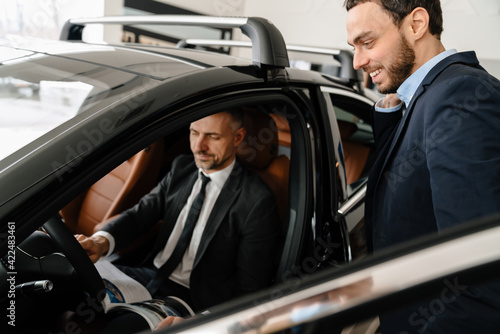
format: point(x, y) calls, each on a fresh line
point(436, 133)
point(235, 242)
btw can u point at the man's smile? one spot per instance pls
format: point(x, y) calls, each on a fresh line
point(375, 73)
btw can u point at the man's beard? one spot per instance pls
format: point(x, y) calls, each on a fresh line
point(400, 69)
point(211, 164)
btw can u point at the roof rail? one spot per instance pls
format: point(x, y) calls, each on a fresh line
point(225, 42)
point(344, 57)
point(268, 45)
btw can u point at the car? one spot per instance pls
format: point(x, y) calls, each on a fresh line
point(88, 128)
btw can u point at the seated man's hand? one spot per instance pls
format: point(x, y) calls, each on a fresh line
point(95, 246)
point(169, 321)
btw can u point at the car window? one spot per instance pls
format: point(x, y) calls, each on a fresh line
point(276, 168)
point(39, 95)
point(39, 92)
point(40, 106)
point(364, 130)
point(353, 118)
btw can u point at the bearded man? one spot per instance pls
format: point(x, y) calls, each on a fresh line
point(436, 133)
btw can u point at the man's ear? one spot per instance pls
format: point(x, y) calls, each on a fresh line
point(239, 136)
point(418, 23)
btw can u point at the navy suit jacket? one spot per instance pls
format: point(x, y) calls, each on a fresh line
point(240, 243)
point(438, 166)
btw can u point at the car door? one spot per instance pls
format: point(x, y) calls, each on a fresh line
point(328, 243)
point(349, 119)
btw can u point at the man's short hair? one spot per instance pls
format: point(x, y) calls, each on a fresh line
point(399, 9)
point(237, 117)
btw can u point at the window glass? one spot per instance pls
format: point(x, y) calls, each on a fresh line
point(39, 95)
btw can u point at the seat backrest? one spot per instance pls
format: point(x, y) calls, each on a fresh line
point(115, 192)
point(284, 136)
point(259, 151)
point(355, 153)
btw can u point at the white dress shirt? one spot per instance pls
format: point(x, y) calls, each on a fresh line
point(182, 273)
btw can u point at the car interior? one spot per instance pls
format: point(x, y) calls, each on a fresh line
point(126, 184)
point(267, 149)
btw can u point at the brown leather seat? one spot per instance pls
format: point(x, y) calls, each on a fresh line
point(259, 151)
point(355, 153)
point(284, 136)
point(115, 192)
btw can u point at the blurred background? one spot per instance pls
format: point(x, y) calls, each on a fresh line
point(468, 24)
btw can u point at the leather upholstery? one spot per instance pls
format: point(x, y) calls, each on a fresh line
point(355, 153)
point(259, 151)
point(115, 192)
point(284, 136)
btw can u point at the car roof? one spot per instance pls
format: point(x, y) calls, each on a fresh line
point(131, 58)
point(154, 62)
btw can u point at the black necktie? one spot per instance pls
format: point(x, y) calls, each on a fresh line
point(164, 272)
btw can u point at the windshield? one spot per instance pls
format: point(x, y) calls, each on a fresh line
point(39, 94)
point(32, 108)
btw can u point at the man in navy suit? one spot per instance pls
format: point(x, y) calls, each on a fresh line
point(437, 135)
point(235, 243)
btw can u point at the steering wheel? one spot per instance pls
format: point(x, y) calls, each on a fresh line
point(78, 258)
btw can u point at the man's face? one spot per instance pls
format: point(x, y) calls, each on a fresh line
point(214, 140)
point(380, 49)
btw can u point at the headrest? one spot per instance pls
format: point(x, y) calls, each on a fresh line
point(284, 136)
point(281, 122)
point(260, 146)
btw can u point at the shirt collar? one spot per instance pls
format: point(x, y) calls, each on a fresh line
point(220, 177)
point(410, 85)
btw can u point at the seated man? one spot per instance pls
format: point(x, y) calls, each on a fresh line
point(228, 248)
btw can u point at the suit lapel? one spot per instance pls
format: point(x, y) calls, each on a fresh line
point(399, 131)
point(224, 202)
point(175, 205)
point(466, 57)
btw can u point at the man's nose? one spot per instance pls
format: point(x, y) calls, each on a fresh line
point(201, 143)
point(360, 60)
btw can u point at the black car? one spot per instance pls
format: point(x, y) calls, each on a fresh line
point(87, 129)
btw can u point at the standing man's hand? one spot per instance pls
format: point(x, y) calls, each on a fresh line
point(391, 100)
point(95, 246)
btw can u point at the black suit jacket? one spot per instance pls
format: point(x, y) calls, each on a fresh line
point(240, 243)
point(438, 166)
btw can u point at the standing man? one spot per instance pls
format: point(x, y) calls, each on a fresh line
point(235, 241)
point(437, 136)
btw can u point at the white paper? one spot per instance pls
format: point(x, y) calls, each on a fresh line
point(120, 288)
